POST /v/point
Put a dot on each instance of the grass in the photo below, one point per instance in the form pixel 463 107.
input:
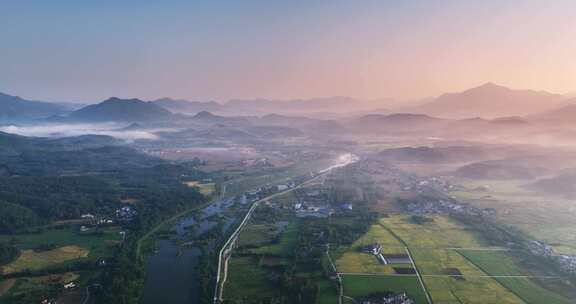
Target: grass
pixel 6 285
pixel 285 247
pixel 205 189
pixel 351 259
pixel 440 233
pixel 31 260
pixel 430 243
pixel 99 244
pixel 433 247
pixel 246 280
pixel 254 235
pixel 469 291
pixel 356 286
pixel 436 261
pixel 327 292
pixel 545 217
pixel 501 264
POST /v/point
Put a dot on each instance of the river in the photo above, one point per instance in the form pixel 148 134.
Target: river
pixel 171 271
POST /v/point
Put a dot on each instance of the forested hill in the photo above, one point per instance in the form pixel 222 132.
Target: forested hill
pixel 45 180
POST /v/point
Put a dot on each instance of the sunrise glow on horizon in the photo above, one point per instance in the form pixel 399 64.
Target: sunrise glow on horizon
pixel 199 50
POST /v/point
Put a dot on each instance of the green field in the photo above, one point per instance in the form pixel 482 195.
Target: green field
pixel 351 259
pixel 470 290
pixel 285 247
pixel 206 189
pixel 545 217
pixel 502 264
pixel 327 293
pixel 64 245
pixel 453 260
pixel 440 233
pixel 32 260
pixel 246 280
pixel 94 241
pixel 357 286
pixel 438 261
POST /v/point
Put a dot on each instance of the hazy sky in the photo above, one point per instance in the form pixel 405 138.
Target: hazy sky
pixel 90 50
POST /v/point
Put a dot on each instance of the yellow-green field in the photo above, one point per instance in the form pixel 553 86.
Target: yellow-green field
pixel 353 260
pixel 471 290
pixel 447 255
pixel 31 260
pixel 440 233
pixel 438 261
pixel 206 189
pixel 357 286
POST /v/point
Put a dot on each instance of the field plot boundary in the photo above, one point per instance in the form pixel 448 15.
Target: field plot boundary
pixel 498 278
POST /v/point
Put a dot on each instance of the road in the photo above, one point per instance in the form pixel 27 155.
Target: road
pixel 338 276
pixel 428 297
pixel 226 250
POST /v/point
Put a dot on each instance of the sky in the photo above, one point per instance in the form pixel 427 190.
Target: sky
pixel 85 51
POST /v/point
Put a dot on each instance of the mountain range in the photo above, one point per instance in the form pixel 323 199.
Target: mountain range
pixel 14 109
pixel 490 101
pixel 480 104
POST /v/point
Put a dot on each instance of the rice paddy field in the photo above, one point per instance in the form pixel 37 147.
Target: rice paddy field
pixel 33 260
pixel 454 261
pixel 357 286
pixel 54 247
pixel 206 189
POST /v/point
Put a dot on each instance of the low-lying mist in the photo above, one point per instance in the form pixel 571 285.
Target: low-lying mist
pixel 68 130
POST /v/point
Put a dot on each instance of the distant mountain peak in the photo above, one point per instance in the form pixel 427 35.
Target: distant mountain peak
pixel 15 108
pixel 125 110
pixel 121 100
pixel 205 115
pixel 490 100
pixel 492 85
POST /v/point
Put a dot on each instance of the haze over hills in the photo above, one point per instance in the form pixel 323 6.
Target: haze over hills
pixel 318 106
pixel 14 108
pixel 188 107
pixel 126 110
pixel 490 101
pixel 562 115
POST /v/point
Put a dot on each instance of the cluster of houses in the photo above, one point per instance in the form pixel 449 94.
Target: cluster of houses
pixel 313 209
pixel 417 184
pixel 387 298
pixel 313 202
pixel 90 221
pixel 125 213
pixel 446 206
pixel 566 262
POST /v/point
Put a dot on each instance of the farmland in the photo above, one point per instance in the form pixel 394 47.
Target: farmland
pixel 356 286
pixel 33 260
pixel 206 189
pixel 501 264
pixel 544 217
pixel 97 243
pixel 455 263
